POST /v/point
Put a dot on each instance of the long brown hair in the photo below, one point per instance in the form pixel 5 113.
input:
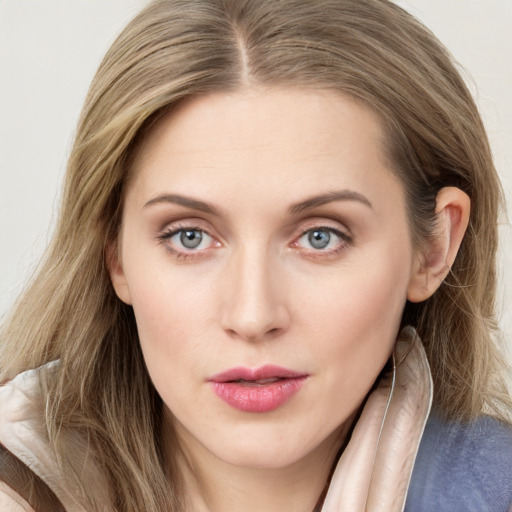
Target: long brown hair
pixel 369 49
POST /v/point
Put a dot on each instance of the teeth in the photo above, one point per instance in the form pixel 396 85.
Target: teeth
pixel 260 381
pixel 267 381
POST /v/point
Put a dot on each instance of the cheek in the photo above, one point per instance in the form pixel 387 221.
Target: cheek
pixel 170 303
pixel 359 313
pixel 366 293
pixel 170 320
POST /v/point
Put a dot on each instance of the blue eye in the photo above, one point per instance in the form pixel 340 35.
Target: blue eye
pixel 321 239
pixel 187 239
pixel 190 239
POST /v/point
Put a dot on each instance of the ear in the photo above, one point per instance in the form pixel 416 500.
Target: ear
pixel 115 269
pixel 432 265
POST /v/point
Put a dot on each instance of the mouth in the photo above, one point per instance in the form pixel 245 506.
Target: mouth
pixel 263 375
pixel 257 390
pixel 259 382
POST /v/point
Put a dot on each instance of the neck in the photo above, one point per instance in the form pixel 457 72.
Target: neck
pixel 212 485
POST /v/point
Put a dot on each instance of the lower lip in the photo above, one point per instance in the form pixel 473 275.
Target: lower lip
pixel 257 398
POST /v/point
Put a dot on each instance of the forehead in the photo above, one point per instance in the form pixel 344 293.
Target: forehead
pixel 293 139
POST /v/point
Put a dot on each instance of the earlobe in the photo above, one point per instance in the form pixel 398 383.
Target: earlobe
pixel 432 266
pixel 116 271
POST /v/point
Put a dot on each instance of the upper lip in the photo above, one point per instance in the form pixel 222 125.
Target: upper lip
pixel 268 371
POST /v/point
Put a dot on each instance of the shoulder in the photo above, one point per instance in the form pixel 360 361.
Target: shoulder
pixel 11 501
pixel 21 396
pixel 463 467
pixel 26 457
pixel 20 407
pixel 22 414
pixel 24 435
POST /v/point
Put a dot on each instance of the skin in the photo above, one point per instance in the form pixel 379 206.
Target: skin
pixel 256 291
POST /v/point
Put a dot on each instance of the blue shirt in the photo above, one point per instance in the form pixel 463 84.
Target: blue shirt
pixel 463 467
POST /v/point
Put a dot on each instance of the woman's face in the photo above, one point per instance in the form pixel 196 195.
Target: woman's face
pixel 266 252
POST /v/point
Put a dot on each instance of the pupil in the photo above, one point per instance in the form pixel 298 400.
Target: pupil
pixel 191 238
pixel 319 239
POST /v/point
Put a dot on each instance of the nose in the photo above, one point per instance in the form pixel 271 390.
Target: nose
pixel 254 305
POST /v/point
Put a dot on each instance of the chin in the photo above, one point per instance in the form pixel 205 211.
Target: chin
pixel 263 456
pixel 275 449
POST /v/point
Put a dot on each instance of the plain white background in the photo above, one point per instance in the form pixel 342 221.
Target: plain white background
pixel 49 51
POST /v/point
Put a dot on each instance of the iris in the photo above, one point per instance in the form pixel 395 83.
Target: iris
pixel 191 238
pixel 319 239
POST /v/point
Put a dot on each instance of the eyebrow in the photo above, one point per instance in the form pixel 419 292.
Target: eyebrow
pixel 195 204
pixel 316 201
pixel 308 204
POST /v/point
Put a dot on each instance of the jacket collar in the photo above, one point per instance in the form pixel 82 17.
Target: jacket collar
pixel 374 470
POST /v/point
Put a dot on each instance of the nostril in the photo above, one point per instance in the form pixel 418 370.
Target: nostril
pixel 271 333
pixel 254 320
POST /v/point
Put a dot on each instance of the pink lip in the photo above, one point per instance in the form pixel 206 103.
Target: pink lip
pixel 238 387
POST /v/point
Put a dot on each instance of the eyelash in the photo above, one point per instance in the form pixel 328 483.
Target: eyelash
pixel 166 235
pixel 342 245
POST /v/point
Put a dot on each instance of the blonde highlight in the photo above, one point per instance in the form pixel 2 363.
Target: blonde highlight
pixel 176 49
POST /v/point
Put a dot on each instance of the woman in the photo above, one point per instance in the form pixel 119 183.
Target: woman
pixel 262 199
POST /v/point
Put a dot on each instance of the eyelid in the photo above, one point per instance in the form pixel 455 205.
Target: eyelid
pixel 329 224
pixel 331 229
pixel 346 238
pixel 171 229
